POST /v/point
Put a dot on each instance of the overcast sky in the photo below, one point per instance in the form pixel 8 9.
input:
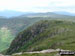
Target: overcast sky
pixel 38 5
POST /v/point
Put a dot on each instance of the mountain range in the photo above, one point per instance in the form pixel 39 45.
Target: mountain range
pixel 65 13
pixel 12 13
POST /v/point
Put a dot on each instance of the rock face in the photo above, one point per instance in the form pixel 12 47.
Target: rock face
pixel 1 55
pixel 43 35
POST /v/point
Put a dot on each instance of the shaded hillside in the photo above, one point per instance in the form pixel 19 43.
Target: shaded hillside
pixel 15 24
pixel 44 35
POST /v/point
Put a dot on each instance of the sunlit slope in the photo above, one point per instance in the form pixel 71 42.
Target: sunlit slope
pixel 5 38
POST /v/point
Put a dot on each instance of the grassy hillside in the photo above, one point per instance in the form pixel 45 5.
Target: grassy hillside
pixel 5 38
pixel 46 34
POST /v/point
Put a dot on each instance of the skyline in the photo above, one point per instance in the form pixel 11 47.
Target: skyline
pixel 38 5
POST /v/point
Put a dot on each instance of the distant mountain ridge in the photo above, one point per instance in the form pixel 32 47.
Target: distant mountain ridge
pixel 64 13
pixel 11 13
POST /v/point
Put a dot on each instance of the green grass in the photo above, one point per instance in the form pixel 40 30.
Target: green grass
pixel 38 54
pixel 42 54
pixel 5 38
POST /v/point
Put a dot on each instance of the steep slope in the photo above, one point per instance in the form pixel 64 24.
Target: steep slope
pixel 44 35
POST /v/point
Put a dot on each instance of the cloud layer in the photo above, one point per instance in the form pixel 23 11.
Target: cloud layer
pixel 38 5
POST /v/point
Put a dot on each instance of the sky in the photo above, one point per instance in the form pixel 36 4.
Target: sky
pixel 38 5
